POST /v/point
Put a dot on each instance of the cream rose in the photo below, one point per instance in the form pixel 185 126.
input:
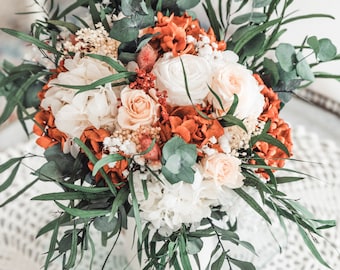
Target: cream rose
pixel 223 169
pixel 169 77
pixel 233 78
pixel 138 109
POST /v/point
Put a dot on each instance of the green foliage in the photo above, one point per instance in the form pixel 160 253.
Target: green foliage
pixel 178 158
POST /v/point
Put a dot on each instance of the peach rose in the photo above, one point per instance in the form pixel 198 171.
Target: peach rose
pixel 223 169
pixel 234 78
pixel 138 109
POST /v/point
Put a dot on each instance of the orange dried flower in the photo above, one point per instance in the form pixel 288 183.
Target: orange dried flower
pixel 93 138
pixel 279 129
pixel 185 122
pixel 171 34
pixel 45 128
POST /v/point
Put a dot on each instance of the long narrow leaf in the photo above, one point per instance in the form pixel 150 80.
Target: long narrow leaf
pixel 251 34
pixel 52 246
pixel 252 203
pixel 70 196
pixel 121 198
pixel 102 81
pixel 9 163
pixel 40 44
pixel 10 178
pixel 85 189
pixel 311 246
pixel 309 16
pixel 108 60
pixel 82 213
pixel 12 198
pixel 93 159
pixel 106 160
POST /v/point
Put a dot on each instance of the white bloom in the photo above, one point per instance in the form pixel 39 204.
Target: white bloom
pixel 74 113
pixel 169 206
pixel 170 77
pixel 233 78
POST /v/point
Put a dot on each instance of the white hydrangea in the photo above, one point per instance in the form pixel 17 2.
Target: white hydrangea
pixel 171 205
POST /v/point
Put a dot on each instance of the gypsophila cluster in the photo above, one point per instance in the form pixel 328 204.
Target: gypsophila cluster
pixel 95 41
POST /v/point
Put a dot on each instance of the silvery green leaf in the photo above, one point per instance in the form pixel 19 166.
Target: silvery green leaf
pixel 327 50
pixel 173 164
pixel 194 245
pixel 261 3
pixel 285 53
pixel 303 69
pixel 103 224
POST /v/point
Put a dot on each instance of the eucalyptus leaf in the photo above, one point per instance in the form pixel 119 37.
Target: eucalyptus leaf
pixel 64 162
pixel 261 3
pixel 327 50
pixel 173 164
pixel 49 172
pixel 285 53
pixel 104 224
pixel 303 69
pixel 313 42
pixel 187 4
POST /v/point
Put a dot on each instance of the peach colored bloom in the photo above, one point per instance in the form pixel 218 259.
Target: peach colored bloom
pixel 138 109
pixel 223 169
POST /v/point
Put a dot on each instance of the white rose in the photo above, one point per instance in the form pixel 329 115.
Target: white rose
pixel 233 78
pixel 169 77
pixel 223 169
pixel 138 109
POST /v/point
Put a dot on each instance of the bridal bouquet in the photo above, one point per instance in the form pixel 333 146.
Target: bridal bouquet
pixel 147 115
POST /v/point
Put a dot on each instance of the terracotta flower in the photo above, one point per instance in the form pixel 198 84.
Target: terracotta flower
pixel 185 122
pixel 279 129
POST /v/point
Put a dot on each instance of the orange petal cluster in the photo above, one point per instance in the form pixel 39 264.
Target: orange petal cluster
pixel 279 129
pixel 93 138
pixel 185 122
pixel 45 128
pixel 171 34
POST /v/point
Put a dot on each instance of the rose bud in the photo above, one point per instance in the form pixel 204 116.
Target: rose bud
pixel 146 58
pixel 155 153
